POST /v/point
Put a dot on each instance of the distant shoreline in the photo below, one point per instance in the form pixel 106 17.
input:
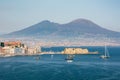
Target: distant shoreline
pixel 47 53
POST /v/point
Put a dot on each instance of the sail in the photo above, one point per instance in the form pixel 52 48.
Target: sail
pixel 106 53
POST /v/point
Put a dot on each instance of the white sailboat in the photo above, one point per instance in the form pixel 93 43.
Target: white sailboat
pixel 106 55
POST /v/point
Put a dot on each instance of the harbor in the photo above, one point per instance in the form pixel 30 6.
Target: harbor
pixel 14 48
pixel 21 67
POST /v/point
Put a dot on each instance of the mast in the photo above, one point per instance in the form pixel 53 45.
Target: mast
pixel 107 53
pixel 105 50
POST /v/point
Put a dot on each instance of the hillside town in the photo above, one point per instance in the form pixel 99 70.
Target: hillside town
pixel 12 48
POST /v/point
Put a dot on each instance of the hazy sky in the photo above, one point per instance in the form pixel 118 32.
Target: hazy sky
pixel 19 14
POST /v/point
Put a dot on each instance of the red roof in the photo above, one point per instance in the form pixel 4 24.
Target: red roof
pixel 12 43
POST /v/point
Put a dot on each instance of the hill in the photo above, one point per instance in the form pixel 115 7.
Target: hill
pixel 76 28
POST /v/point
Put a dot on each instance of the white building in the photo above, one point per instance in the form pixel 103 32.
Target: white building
pixel 17 51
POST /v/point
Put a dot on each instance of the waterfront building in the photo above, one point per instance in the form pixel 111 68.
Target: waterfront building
pixel 17 51
pixel 13 43
pixel 6 49
pixel 32 51
pixel 17 48
pixel 75 51
pixel 1 51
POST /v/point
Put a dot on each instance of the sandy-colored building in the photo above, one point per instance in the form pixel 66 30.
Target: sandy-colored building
pixel 75 51
pixel 32 51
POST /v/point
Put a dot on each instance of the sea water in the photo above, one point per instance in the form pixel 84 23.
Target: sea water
pixel 55 67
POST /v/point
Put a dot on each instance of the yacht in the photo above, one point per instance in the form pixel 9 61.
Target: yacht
pixel 69 58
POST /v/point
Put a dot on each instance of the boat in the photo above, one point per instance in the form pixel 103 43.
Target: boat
pixel 7 55
pixel 106 53
pixel 51 56
pixel 37 57
pixel 69 58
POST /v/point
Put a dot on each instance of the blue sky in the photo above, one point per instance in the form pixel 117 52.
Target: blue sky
pixel 19 14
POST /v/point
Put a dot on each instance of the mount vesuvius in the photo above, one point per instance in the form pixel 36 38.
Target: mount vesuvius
pixel 74 28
